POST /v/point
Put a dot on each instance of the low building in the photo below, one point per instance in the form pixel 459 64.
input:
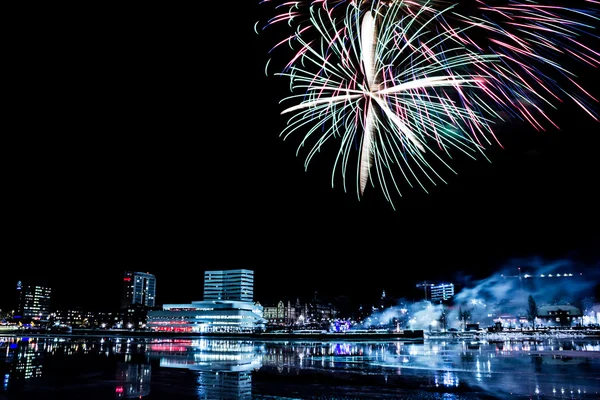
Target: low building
pixel 289 314
pixel 282 314
pixel 208 316
pixel 559 314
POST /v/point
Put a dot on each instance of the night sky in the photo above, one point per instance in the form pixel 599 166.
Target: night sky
pixel 149 141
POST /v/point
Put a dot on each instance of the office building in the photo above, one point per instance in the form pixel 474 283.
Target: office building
pixel 138 288
pixel 235 284
pixel 227 307
pixel 441 292
pixel 33 302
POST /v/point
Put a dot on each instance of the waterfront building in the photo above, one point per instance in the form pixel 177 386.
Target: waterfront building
pixel 559 314
pixel 138 288
pixel 235 284
pixel 77 317
pixel 208 316
pixel 108 319
pixel 33 302
pixel 313 312
pixel 227 307
pixel 285 314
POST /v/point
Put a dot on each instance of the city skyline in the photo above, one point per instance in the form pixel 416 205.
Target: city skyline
pixel 118 163
pixel 537 276
pixel 160 140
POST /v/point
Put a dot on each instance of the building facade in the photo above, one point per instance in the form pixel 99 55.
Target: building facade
pixel 227 307
pixel 285 313
pixel 235 284
pixel 33 302
pixel 559 314
pixel 138 288
pixel 208 317
pixel 296 314
pixel 441 292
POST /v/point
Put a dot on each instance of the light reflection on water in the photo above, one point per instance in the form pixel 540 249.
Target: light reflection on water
pixel 113 367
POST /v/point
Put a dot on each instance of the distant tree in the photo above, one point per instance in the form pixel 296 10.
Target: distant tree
pixel 463 316
pixel 444 319
pixel 532 311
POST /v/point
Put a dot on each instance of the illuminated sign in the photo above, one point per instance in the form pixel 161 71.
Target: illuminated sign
pixel 126 279
pixel 19 285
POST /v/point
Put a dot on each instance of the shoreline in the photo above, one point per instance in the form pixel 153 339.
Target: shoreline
pixel 407 335
pixel 518 335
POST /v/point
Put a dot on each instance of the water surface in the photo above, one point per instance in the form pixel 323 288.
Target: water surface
pixel 54 367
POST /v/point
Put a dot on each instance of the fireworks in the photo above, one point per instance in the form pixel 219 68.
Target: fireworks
pixel 402 85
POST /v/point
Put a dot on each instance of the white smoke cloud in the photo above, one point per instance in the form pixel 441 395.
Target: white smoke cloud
pixel 562 281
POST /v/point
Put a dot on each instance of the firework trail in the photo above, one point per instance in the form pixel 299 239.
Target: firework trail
pixel 404 84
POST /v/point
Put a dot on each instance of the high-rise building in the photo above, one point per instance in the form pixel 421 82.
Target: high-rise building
pixel 33 302
pixel 441 292
pixel 234 284
pixel 138 288
pixel 227 307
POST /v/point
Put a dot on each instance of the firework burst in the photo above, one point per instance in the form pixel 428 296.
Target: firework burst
pixel 402 85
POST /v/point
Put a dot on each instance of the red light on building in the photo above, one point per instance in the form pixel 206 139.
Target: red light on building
pixel 126 279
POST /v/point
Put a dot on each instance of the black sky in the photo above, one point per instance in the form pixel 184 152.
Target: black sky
pixel 149 140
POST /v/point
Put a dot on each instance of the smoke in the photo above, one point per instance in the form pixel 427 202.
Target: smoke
pixel 547 281
pixel 426 315
pixel 562 281
pixel 506 292
pixel 387 316
pixel 414 315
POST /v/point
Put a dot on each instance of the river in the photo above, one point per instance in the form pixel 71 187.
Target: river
pixel 67 367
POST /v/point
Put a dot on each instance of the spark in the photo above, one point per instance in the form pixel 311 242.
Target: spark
pixel 405 85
